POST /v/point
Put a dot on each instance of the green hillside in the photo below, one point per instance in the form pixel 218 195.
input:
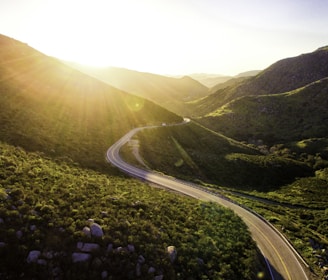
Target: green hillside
pixel 56 125
pixel 285 75
pixel 45 207
pixel 170 93
pixel 193 152
pixel 287 184
pixel 279 118
pixel 47 106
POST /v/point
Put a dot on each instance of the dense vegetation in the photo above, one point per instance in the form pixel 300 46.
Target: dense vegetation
pixel 194 152
pixel 286 183
pixel 69 119
pixel 278 118
pixel 46 204
pixel 47 106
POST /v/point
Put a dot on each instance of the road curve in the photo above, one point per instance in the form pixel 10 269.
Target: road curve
pixel 282 260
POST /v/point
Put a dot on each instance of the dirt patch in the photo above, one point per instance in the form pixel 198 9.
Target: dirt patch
pixel 134 146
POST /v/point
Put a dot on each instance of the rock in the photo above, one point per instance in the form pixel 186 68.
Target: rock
pixel 172 252
pixel 32 227
pixel 1 221
pixel 87 231
pixel 19 234
pixel 109 248
pixel 141 259
pixel 200 261
pixel 42 262
pixel 80 257
pixel 33 256
pixel 2 244
pixel 151 270
pixel 96 230
pixel 159 277
pixel 138 269
pixel 104 274
pixel 79 245
pixel 119 249
pixel 131 248
pixel 104 214
pixel 87 247
pixel 48 255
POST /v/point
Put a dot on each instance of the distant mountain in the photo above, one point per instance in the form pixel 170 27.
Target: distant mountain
pixel 169 92
pixel 248 73
pixel 49 107
pixel 285 75
pixel 231 82
pixel 215 80
pixel 210 80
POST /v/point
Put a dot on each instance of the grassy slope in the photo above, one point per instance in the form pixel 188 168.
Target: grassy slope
pixel 285 75
pixel 191 151
pixel 62 113
pixel 57 199
pixel 295 115
pixel 292 179
pixel 47 106
pixel 170 93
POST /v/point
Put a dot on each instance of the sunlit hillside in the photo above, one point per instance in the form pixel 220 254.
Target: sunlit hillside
pixel 275 118
pixel 284 75
pixel 66 214
pixel 170 93
pixel 46 231
pixel 47 106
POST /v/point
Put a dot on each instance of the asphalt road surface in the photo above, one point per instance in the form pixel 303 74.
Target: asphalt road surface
pixel 282 260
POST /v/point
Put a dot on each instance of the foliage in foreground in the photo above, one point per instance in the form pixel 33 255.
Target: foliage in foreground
pixel 288 186
pixel 300 211
pixel 45 205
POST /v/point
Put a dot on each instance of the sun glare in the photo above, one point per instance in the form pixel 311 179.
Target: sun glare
pixel 114 33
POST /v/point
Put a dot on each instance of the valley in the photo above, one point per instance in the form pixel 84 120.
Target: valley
pixel 260 140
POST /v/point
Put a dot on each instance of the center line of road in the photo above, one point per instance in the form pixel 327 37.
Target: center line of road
pixel 273 247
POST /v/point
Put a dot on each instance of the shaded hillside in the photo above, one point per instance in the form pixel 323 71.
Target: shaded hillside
pixel 285 75
pixel 50 107
pixel 171 93
pixel 191 152
pixel 291 116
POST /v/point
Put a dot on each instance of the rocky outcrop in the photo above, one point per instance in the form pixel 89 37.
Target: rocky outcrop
pixel 80 257
pixel 172 252
pixel 96 230
pixel 33 256
pixel 87 247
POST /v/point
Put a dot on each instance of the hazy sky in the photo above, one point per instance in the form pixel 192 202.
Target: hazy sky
pixel 169 36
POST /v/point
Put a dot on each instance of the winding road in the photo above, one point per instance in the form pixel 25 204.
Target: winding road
pixel 282 260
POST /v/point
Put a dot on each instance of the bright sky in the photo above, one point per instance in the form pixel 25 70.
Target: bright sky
pixel 169 36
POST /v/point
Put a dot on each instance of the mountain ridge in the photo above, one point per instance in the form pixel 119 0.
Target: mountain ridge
pixel 284 75
pixel 171 93
pixel 47 106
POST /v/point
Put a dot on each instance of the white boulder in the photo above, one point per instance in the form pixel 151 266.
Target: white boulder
pixel 172 252
pixel 87 231
pixel 96 230
pixel 33 256
pixel 87 247
pixel 80 257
